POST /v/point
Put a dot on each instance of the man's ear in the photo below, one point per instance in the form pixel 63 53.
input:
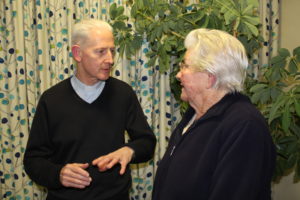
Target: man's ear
pixel 76 52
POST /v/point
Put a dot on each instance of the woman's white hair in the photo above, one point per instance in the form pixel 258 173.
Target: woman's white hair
pixel 82 29
pixel 220 54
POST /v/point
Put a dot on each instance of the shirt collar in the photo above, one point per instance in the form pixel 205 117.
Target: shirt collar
pixel 88 93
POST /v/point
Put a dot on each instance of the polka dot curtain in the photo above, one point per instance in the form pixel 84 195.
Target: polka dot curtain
pixel 269 15
pixel 35 54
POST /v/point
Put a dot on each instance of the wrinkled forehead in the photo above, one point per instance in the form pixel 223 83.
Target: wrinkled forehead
pixel 103 38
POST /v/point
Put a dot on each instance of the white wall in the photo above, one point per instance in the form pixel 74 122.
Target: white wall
pixel 290 39
pixel 290 24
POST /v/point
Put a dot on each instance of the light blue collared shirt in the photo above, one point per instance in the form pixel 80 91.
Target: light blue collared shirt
pixel 86 92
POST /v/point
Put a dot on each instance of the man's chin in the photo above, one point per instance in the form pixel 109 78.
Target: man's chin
pixel 103 78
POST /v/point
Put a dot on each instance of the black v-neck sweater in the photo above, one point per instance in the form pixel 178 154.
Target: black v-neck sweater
pixel 66 129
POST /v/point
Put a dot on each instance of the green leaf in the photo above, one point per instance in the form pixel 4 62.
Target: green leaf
pixel 122 17
pixel 275 92
pixel 122 49
pixel 296 51
pixel 292 160
pixel 151 61
pixel 258 87
pixel 165 28
pixel 297 106
pixel 252 28
pixel 292 147
pixel 133 11
pixel 284 52
pixel 275 108
pixel 248 10
pixel 113 11
pixel 278 61
pixel 254 20
pixel 120 10
pixel 298 58
pixel 295 129
pixel 287 140
pixel 159 31
pixel 286 118
pixel 119 25
pixel 137 42
pixel 256 97
pixel 265 97
pixel 293 68
pixel 229 17
pixel 205 21
pixel 255 3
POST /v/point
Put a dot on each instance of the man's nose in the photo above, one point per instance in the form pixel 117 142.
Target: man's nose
pixel 110 56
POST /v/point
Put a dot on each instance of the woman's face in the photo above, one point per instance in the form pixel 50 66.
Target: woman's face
pixel 194 83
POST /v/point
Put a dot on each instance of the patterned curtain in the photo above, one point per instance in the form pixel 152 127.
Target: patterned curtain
pixel 270 18
pixel 35 55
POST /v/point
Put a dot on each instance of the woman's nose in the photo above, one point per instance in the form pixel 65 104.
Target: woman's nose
pixel 178 75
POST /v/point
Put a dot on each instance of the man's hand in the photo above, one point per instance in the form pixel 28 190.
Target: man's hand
pixel 122 156
pixel 75 175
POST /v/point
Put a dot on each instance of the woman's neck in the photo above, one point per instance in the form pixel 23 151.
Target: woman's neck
pixel 202 103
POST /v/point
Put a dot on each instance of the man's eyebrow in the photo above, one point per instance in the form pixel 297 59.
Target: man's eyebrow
pixel 104 48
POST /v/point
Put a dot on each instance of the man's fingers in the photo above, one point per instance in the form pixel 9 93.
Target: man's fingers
pixel 106 163
pixel 80 170
pixel 75 175
pixel 123 168
pixel 122 156
pixel 71 183
pixel 112 163
pixel 75 182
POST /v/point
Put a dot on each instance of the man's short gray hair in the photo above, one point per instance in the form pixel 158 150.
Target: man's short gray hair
pixel 82 29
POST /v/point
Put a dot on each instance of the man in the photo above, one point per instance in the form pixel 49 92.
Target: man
pixel 76 145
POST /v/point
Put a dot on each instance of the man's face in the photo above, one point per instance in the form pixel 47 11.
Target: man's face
pixel 96 57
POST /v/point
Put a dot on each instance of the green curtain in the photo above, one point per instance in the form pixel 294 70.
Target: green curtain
pixel 35 55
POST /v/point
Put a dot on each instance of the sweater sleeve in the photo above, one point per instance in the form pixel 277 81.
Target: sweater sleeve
pixel 244 164
pixel 37 161
pixel 142 139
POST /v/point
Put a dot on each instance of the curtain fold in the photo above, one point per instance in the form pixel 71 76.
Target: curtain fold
pixel 270 18
pixel 35 54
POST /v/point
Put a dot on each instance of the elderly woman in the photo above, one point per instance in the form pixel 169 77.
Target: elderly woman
pixel 221 149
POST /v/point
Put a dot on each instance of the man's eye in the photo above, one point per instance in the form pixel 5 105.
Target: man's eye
pixel 101 51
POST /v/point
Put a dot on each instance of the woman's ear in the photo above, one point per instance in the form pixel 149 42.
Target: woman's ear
pixel 211 80
pixel 76 53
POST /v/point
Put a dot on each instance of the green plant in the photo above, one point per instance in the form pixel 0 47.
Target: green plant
pixel 277 95
pixel 164 25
